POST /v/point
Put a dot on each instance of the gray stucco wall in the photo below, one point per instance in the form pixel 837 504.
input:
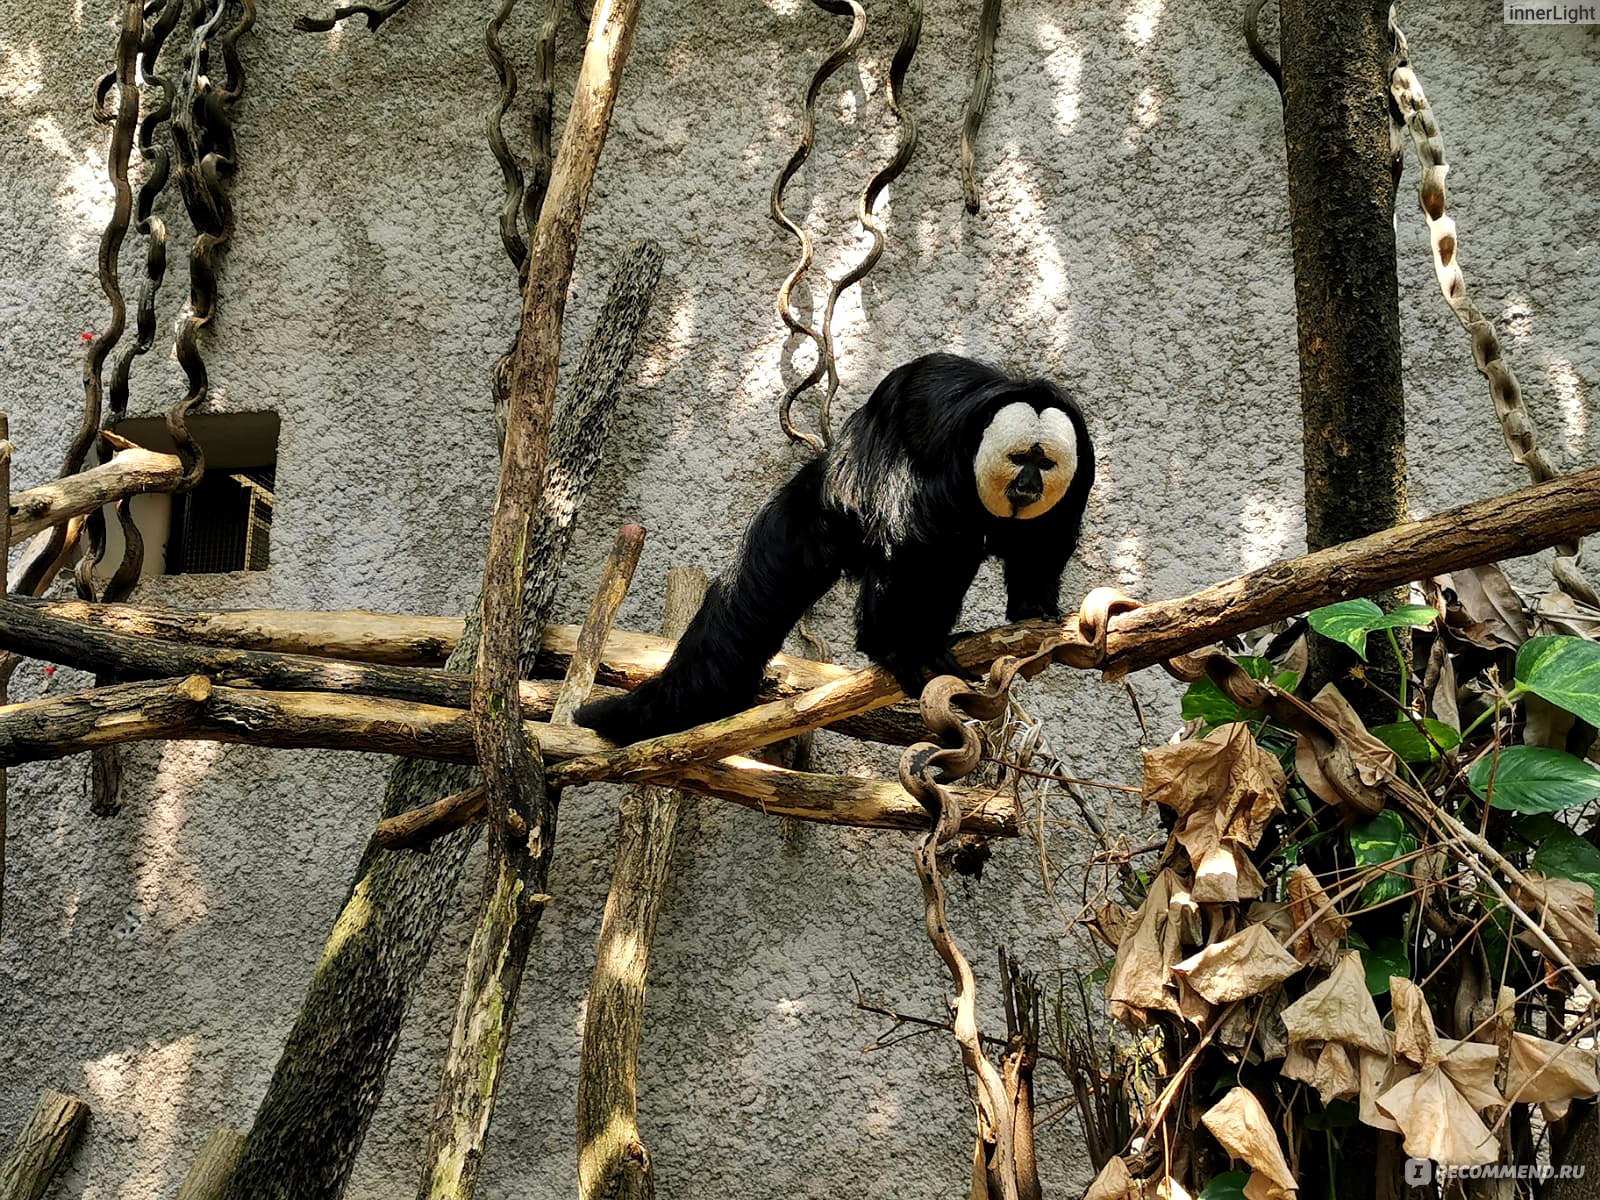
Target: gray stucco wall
pixel 1133 243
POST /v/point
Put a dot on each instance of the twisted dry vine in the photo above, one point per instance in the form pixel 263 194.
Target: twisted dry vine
pixel 823 438
pixel 978 100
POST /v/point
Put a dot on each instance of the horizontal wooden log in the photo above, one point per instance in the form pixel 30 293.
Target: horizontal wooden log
pixel 132 471
pixel 284 651
pixel 195 708
pixel 1482 532
pixel 356 635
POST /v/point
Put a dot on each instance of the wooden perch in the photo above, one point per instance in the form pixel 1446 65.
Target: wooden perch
pixel 612 1159
pixel 43 1145
pixel 1482 532
pixel 194 708
pixel 280 650
pixel 132 471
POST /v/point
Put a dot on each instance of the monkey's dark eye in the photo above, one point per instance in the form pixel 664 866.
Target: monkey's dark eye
pixel 1044 464
pixel 1021 459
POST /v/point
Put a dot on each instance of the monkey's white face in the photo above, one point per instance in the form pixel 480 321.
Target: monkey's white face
pixel 1025 461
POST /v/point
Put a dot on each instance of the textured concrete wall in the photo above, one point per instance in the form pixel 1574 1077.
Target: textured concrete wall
pixel 1133 243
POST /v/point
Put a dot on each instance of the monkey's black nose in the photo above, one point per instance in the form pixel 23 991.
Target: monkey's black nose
pixel 1027 488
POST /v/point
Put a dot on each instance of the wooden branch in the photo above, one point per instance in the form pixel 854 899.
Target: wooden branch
pixel 213 1166
pixel 355 635
pixel 5 675
pixel 331 1073
pixel 535 366
pixel 498 955
pixel 68 632
pixel 132 471
pixel 43 1145
pixel 612 1159
pixel 56 726
pixel 1486 531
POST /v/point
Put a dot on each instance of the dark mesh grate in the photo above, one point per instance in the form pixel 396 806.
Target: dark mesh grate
pixel 224 524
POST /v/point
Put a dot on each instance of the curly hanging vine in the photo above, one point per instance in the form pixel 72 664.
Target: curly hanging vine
pixel 1258 50
pixel 1411 107
pixel 890 171
pixel 376 15
pixel 820 440
pixel 524 187
pixel 124 118
pixel 978 100
pixel 202 136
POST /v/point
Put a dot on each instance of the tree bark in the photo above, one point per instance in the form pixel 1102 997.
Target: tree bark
pixel 43 1145
pixel 503 752
pixel 194 708
pixel 213 1166
pixel 1342 176
pixel 336 1059
pixel 132 471
pixel 5 676
pixel 612 1159
pixel 510 916
pixel 284 649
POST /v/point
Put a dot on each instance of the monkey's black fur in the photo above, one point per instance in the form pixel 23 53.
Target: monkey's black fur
pixel 894 504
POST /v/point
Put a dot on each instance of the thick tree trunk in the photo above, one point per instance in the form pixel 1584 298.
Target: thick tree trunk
pixel 1341 164
pixel 334 1064
pixel 612 1159
pixel 42 1146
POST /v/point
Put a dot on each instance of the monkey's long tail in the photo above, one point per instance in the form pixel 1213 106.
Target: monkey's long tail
pixel 790 557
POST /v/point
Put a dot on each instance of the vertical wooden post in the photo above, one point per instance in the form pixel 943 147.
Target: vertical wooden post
pixel 5 676
pixel 213 1166
pixel 43 1145
pixel 612 1159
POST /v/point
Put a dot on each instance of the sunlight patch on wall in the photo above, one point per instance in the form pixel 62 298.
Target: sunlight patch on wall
pixel 1516 318
pixel 671 346
pixel 21 73
pixel 168 882
pixel 1047 298
pixel 1063 63
pixel 83 195
pixel 1267 528
pixel 1573 399
pixel 1140 22
pixel 136 1096
pixel 1128 560
pixel 1146 112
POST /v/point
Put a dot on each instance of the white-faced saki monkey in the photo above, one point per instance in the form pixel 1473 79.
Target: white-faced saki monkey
pixel 949 462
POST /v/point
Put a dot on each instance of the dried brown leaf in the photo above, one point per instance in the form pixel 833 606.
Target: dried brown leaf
pixel 1566 909
pixel 1242 1127
pixel 1353 770
pixel 1115 1182
pixel 1543 1071
pixel 1321 924
pixel 1339 1009
pixel 1415 1038
pixel 1140 977
pixel 1225 789
pixel 1246 964
pixel 1379 1073
pixel 1471 1067
pixel 1438 1121
pixel 1490 611
pixel 1335 1076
